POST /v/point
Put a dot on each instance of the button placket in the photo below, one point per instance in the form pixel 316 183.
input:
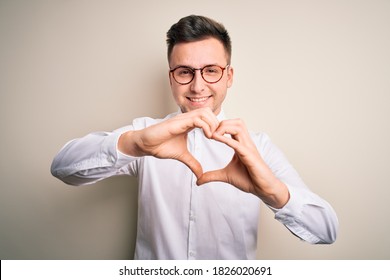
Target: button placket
pixel 195 150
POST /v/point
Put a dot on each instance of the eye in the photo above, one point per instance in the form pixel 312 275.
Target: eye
pixel 182 71
pixel 212 70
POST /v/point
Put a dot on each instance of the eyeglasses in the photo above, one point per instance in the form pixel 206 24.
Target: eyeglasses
pixel 211 74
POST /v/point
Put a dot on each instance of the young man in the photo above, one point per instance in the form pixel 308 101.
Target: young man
pixel 201 176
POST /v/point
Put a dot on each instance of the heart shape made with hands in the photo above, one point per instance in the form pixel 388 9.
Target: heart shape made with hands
pixel 168 140
pixel 246 171
pixel 236 171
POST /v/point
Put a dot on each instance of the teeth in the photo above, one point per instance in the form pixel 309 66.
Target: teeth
pixel 199 99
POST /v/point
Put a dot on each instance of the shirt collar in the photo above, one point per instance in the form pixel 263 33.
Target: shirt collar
pixel 221 116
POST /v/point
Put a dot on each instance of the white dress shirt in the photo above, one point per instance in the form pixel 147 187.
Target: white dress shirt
pixel 178 219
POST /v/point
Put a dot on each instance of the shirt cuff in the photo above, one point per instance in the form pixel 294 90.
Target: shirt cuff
pixel 116 157
pixel 293 208
pixel 123 159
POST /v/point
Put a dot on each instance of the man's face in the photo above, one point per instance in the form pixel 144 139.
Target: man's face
pixel 198 93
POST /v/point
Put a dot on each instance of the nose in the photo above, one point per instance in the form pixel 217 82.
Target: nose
pixel 197 84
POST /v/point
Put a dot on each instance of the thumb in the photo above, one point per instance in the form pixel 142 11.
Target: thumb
pixel 212 176
pixel 189 160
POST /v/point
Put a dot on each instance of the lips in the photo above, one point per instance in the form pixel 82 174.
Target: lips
pixel 198 99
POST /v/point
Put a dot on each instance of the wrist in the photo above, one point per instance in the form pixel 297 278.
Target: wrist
pixel 127 144
pixel 278 196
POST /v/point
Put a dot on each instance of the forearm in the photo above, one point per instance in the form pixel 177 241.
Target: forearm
pixel 277 196
pixel 309 217
pixel 89 159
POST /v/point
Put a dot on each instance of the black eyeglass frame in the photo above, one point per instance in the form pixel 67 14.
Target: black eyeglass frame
pixel 201 73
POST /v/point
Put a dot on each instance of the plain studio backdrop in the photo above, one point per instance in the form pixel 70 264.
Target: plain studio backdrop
pixel 314 75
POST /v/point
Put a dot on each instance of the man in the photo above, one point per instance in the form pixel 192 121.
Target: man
pixel 201 176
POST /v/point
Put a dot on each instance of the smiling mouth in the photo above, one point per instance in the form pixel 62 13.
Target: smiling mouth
pixel 198 99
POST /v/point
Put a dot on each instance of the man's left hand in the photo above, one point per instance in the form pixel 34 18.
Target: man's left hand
pixel 247 170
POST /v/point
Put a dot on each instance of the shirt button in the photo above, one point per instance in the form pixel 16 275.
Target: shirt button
pixel 192 254
pixel 192 218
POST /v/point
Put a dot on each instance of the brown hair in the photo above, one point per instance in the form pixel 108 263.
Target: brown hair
pixel 194 28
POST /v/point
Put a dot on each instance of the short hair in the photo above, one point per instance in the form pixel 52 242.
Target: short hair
pixel 195 28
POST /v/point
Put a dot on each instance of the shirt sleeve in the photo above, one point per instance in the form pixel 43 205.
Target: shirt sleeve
pixel 92 158
pixel 306 214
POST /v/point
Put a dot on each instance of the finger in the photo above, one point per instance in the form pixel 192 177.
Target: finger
pixel 189 160
pixel 204 125
pixel 234 127
pixel 207 130
pixel 207 117
pixel 212 176
pixel 238 131
pixel 211 119
pixel 226 139
pixel 200 121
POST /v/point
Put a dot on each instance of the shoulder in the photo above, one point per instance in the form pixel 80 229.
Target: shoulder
pixel 260 138
pixel 263 142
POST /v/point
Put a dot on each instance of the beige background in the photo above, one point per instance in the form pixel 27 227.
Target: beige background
pixel 314 75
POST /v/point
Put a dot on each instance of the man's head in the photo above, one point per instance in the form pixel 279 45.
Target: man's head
pixel 199 55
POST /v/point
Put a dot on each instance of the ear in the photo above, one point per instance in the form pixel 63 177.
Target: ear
pixel 230 73
pixel 170 77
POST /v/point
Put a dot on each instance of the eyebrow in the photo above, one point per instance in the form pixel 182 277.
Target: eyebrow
pixel 188 66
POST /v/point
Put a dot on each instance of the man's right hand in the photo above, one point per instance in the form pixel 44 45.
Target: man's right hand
pixel 168 139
